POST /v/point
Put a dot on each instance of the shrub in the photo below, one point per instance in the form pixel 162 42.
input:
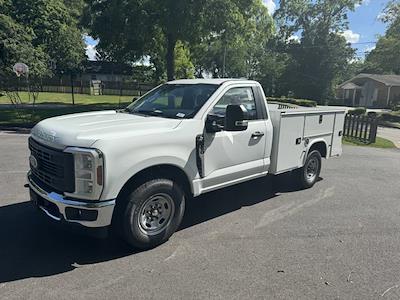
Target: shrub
pixel 396 108
pixel 337 102
pixel 372 114
pixel 300 102
pixel 390 117
pixel 358 111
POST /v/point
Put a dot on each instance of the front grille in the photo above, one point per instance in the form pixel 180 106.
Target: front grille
pixel 55 168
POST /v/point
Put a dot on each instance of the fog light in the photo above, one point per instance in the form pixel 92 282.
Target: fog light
pixel 75 214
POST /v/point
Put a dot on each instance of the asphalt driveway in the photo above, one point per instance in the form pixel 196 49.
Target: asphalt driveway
pixel 262 239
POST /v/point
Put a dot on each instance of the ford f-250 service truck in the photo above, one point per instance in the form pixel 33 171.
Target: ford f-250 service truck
pixel 133 169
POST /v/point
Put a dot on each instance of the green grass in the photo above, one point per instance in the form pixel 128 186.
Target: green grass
pixel 29 117
pixel 64 98
pixel 379 143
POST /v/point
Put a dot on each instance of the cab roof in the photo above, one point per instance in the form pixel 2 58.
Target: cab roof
pixel 215 81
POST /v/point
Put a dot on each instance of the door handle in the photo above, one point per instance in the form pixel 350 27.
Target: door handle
pixel 257 134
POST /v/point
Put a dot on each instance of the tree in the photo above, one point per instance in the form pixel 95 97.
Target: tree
pixel 322 54
pixel 385 57
pixel 183 65
pixel 237 48
pixel 16 45
pixel 129 30
pixel 41 33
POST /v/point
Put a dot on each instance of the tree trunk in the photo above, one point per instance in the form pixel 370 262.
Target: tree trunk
pixel 171 42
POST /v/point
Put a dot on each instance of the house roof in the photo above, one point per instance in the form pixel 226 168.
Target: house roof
pixel 105 67
pixel 389 80
pixel 350 86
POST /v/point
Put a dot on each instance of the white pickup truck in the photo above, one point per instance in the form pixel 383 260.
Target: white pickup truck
pixel 132 169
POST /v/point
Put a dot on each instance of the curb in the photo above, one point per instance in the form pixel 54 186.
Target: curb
pixel 19 128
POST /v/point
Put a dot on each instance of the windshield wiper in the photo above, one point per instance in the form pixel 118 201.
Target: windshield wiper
pixel 148 112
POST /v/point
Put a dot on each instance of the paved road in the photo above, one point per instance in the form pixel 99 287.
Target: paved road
pixel 339 240
pixel 392 134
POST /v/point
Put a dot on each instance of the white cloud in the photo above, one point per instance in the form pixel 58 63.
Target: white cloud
pixel 369 49
pixel 364 2
pixel 294 38
pixel 271 6
pixel 350 36
pixel 380 16
pixel 91 44
pixel 91 52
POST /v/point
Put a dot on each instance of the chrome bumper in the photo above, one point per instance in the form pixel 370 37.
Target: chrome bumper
pixel 104 208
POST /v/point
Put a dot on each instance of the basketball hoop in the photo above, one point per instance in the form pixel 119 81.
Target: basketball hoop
pixel 20 69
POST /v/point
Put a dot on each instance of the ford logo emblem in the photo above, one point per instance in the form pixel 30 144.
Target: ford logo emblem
pixel 33 161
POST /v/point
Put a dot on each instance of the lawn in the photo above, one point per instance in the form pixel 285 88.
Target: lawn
pixel 64 98
pixel 379 143
pixel 29 117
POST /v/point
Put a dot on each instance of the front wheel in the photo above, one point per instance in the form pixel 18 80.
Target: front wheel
pixel 308 175
pixel 152 212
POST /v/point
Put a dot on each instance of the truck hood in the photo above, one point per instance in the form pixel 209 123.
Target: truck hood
pixel 84 129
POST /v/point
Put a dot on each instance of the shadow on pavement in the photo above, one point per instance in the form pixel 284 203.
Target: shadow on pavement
pixel 32 247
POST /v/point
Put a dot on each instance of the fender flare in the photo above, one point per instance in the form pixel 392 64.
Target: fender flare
pixel 312 143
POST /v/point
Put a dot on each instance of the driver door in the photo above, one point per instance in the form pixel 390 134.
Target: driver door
pixel 231 157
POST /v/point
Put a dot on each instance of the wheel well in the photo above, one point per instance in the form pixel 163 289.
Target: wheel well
pixel 160 171
pixel 320 147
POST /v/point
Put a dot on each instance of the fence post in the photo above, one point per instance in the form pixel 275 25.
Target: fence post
pixel 373 131
pixel 352 126
pixel 367 122
pixel 360 134
pixel 348 123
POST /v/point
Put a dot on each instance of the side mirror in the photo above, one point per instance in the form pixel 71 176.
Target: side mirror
pixel 214 124
pixel 235 118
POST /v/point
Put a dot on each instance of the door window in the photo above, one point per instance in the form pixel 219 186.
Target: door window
pixel 237 96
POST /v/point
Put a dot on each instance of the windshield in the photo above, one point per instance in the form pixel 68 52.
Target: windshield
pixel 174 100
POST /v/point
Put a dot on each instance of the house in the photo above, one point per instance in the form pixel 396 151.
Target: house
pixel 106 71
pixel 370 90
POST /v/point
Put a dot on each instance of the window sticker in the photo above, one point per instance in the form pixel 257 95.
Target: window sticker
pixel 180 115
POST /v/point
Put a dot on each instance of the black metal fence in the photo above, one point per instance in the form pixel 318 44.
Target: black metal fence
pixel 63 85
pixel 360 127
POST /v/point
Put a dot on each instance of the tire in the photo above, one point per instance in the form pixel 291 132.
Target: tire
pixel 150 213
pixel 308 175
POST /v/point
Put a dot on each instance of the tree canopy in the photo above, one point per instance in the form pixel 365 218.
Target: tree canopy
pixel 41 34
pixel 385 57
pixel 320 54
pixel 132 29
pixel 300 51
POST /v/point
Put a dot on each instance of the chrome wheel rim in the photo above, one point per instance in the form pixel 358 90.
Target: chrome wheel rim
pixel 156 214
pixel 312 169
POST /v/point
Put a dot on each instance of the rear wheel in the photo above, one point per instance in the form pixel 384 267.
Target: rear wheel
pixel 151 213
pixel 308 175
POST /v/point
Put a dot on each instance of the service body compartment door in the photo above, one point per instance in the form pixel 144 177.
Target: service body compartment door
pixel 288 151
pixel 336 148
pixel 319 124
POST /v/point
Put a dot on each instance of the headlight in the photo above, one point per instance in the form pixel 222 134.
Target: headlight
pixel 88 173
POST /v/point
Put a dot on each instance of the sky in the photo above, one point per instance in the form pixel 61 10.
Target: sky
pixel 364 27
pixel 364 24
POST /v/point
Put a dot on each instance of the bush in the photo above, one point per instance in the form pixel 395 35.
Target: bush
pixel 372 114
pixel 337 102
pixel 390 117
pixel 358 111
pixel 300 102
pixel 396 108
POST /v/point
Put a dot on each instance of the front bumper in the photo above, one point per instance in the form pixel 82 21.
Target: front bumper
pixel 87 213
